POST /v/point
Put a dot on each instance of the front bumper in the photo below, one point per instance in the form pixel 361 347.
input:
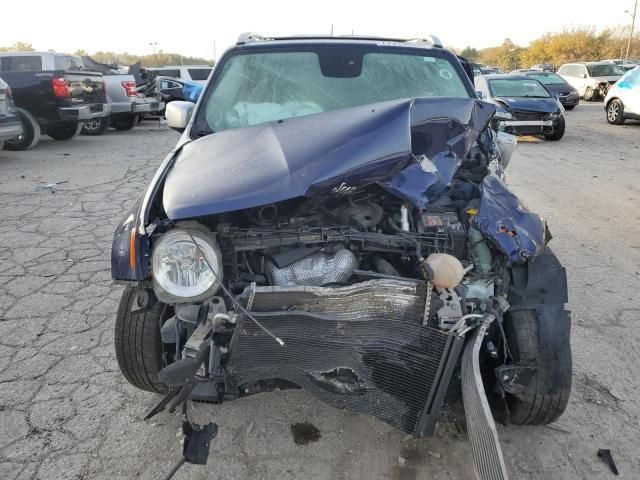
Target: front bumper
pixel 570 100
pixel 84 112
pixel 526 123
pixel 9 129
pixel 364 348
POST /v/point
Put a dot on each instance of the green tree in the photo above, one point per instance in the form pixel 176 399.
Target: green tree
pixel 470 53
pixel 18 47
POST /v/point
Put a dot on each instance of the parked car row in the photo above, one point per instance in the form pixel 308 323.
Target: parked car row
pixel 60 95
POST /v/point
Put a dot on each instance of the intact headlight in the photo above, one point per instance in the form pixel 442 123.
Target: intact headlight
pixel 180 272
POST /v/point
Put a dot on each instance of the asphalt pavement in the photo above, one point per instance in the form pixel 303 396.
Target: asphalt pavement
pixel 66 412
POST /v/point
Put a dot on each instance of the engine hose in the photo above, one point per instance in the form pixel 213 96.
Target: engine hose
pixel 384 267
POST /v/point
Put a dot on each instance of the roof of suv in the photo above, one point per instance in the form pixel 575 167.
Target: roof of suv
pixel 587 63
pixel 254 38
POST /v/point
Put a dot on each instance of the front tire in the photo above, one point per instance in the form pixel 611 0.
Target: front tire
pixel 138 343
pixel 615 112
pixel 64 131
pixel 540 340
pixel 97 126
pixel 590 95
pixel 568 108
pixel 558 131
pixel 126 122
pixel 30 133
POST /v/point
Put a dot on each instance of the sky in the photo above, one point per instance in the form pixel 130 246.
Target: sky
pixel 206 28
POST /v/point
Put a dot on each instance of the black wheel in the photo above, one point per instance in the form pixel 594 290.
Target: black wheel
pixel 97 126
pixel 615 112
pixel 540 340
pixel 64 131
pixel 30 133
pixel 138 343
pixel 126 122
pixel 569 107
pixel 558 130
pixel 590 94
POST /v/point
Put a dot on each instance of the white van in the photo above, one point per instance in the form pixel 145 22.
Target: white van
pixel 191 73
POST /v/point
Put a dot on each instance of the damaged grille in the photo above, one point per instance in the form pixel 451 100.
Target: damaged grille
pixel 526 115
pixel 362 348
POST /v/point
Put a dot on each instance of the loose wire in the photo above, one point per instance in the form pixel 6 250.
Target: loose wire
pixel 231 297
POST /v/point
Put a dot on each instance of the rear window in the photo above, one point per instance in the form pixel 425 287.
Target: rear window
pixel 199 73
pixel 67 62
pixel 20 63
pixel 166 73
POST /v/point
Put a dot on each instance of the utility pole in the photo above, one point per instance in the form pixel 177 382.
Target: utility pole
pixel 633 24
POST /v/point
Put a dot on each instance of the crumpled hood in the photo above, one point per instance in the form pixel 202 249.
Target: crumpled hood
pixel 330 153
pixel 542 105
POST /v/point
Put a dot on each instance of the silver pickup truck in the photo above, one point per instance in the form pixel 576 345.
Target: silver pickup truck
pixel 126 102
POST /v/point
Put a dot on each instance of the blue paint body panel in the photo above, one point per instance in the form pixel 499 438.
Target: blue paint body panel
pixel 327 153
pixel 517 232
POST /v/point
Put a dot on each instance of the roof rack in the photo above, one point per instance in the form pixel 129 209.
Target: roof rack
pixel 250 37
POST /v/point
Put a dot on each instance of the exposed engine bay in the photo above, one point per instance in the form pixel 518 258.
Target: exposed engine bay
pixel 358 297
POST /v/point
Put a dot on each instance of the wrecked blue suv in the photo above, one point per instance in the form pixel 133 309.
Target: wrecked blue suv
pixel 334 218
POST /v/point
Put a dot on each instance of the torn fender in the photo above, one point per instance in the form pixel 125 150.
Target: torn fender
pixel 502 218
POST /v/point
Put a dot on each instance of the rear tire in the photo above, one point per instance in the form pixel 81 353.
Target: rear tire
pixel 558 131
pixel 30 133
pixel 615 112
pixel 64 131
pixel 125 122
pixel 97 126
pixel 546 395
pixel 138 343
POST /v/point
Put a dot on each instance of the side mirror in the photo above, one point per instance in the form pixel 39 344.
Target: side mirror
pixel 556 95
pixel 178 114
pixel 479 94
pixel 583 75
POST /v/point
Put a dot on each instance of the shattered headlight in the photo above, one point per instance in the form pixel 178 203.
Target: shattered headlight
pixel 182 270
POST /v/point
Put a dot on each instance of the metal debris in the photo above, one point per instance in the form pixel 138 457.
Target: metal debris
pixel 605 455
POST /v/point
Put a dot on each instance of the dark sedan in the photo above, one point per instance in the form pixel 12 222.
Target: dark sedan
pixel 525 106
pixel 568 95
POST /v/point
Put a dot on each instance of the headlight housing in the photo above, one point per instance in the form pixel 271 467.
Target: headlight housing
pixel 180 272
